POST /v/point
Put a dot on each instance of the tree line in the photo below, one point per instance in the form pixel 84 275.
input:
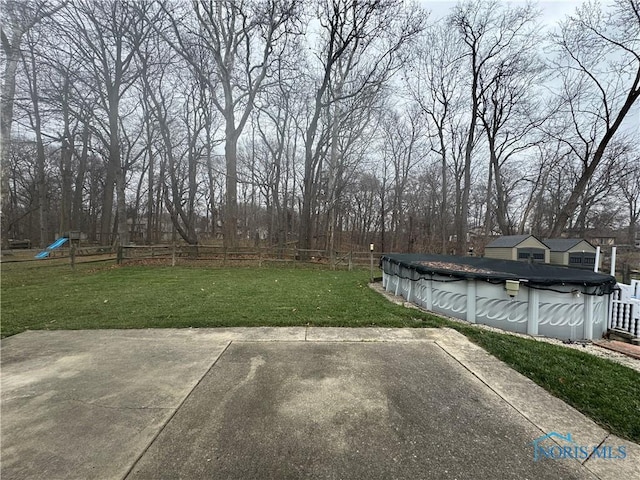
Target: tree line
pixel 325 123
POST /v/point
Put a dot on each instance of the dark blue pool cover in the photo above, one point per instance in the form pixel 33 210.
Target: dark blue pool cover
pixel 494 270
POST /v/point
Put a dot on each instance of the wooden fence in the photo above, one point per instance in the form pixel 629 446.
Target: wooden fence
pixel 197 255
pixel 248 256
pixel 67 254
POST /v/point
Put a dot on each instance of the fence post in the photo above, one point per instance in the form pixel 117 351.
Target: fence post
pixel 72 256
pixel 626 273
pixel 371 260
pixel 119 255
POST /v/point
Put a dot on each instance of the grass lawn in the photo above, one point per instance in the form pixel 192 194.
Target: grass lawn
pixel 55 297
pixel 34 296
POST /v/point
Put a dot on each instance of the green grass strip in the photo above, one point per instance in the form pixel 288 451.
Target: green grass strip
pixel 605 391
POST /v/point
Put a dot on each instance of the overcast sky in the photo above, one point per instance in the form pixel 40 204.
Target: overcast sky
pixel 552 10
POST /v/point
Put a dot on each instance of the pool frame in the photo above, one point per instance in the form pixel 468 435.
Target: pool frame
pixel 566 312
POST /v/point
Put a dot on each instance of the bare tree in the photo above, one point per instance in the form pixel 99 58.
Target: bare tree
pixel 275 123
pixel 34 113
pixel 599 65
pixel 20 16
pixel 354 126
pixel 489 31
pixel 629 184
pixel 545 154
pixel 362 37
pixel 70 104
pixel 55 106
pixel 602 186
pixel 107 36
pixel 23 195
pixel 434 77
pixel 179 108
pixel 242 39
pixel 510 113
pixel 404 138
pixel 362 196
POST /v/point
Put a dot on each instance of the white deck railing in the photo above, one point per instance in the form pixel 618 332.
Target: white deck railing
pixel 624 308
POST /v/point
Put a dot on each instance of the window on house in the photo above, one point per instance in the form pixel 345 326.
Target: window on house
pixel 536 254
pixel 582 259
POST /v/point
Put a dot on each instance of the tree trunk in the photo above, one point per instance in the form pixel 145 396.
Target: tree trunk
pixel 461 221
pixel 123 230
pixel 487 214
pixel 443 209
pixel 76 217
pixel 191 202
pixel 333 181
pixel 150 180
pixel 501 205
pixel 42 187
pixel 113 164
pixel 41 179
pixel 12 56
pixel 231 208
pixel 308 186
pixel 67 180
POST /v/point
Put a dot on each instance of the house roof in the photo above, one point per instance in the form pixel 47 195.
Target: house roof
pixel 509 241
pixel 563 244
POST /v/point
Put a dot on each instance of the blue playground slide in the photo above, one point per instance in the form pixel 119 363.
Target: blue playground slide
pixel 57 244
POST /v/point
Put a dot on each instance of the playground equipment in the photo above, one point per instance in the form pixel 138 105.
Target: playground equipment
pixel 57 244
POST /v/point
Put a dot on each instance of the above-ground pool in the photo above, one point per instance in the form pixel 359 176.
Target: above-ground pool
pixel 521 297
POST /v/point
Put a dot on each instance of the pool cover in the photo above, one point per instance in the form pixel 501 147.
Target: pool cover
pixel 495 271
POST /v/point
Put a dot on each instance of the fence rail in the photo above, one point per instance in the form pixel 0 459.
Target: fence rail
pixel 624 308
pixel 82 254
pixel 176 254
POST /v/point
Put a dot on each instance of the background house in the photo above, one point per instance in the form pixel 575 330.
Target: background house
pixel 518 247
pixel 574 252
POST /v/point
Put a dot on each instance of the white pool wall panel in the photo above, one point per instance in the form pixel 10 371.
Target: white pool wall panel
pixel 568 313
